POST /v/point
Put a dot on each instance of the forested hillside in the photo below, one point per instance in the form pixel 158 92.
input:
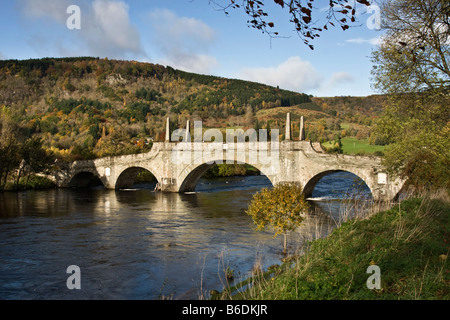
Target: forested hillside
pixel 86 107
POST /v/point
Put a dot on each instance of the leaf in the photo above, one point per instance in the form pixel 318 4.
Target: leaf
pixel 365 2
pixel 306 11
pixel 280 2
pixel 306 19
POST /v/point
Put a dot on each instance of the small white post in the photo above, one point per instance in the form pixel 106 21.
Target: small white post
pixel 288 127
pixel 168 130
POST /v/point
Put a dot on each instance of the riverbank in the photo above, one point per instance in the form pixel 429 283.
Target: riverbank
pixel 35 182
pixel 409 243
pixel 229 170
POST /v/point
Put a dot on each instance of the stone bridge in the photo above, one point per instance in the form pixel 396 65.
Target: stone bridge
pixel 178 166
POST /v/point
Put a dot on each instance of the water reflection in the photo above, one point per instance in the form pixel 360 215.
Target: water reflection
pixel 135 244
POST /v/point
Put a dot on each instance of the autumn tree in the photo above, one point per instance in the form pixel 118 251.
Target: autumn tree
pixel 19 154
pixel 117 142
pixel 9 147
pixel 280 208
pixel 36 159
pixel 415 51
pixel 412 66
pixel 303 15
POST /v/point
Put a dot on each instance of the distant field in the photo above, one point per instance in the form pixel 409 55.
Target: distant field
pixel 351 145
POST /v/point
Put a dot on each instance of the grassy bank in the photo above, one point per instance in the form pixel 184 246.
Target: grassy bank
pixel 352 145
pixel 35 182
pixel 409 243
pixel 228 170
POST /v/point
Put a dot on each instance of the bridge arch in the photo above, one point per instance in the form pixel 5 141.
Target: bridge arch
pixel 86 178
pixel 314 180
pixel 193 173
pixel 128 177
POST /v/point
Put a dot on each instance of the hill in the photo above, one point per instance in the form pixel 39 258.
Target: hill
pixel 88 107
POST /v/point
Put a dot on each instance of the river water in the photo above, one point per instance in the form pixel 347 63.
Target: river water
pixel 140 244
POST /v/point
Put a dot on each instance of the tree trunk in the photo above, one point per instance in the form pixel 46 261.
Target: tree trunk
pixel 5 179
pixel 19 174
pixel 28 178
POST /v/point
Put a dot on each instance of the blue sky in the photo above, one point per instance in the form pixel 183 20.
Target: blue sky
pixel 191 35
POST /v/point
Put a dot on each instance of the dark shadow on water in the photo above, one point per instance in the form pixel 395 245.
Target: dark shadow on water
pixel 232 183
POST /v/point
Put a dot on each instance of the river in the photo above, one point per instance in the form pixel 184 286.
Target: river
pixel 140 244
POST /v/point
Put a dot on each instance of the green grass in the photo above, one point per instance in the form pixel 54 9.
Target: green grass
pixel 34 183
pixel 351 145
pixel 409 243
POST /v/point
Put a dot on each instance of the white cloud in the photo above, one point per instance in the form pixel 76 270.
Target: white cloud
pixel 54 9
pixel 372 41
pixel 188 31
pixel 293 74
pixel 339 78
pixel 190 62
pixel 110 31
pixel 299 75
pixel 106 29
pixel 339 83
pixel 184 42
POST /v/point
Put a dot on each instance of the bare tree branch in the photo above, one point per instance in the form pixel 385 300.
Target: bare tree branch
pixel 301 15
